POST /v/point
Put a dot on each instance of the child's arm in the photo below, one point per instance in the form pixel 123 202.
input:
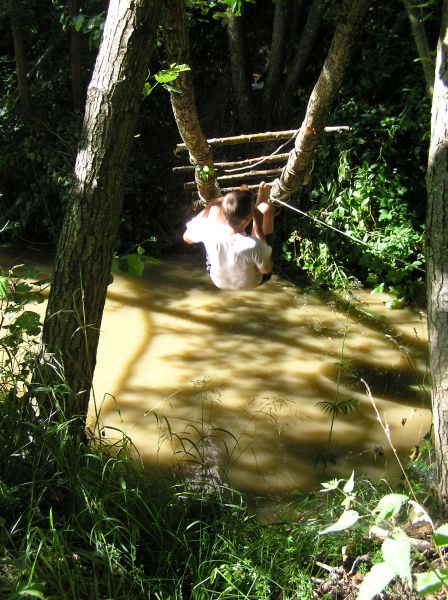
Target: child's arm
pixel 257 226
pixel 213 207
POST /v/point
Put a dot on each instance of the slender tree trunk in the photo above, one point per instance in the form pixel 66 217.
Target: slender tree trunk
pixel 177 46
pixel 84 256
pixel 437 258
pixel 298 64
pixel 20 56
pixel 421 41
pixel 241 76
pixel 276 61
pixel 301 157
pixel 76 60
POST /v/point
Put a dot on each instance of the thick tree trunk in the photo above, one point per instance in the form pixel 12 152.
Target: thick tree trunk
pixel 76 60
pixel 301 157
pixel 298 64
pixel 177 46
pixel 276 61
pixel 421 41
pixel 84 256
pixel 437 258
pixel 20 56
pixel 241 76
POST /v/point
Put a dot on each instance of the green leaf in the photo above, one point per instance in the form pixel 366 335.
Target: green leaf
pixel 23 287
pixel 130 264
pixel 397 554
pixel 330 485
pixel 431 581
pixel 78 22
pixel 441 535
pixel 375 581
pixel 389 506
pixel 29 321
pixel 147 88
pixel 5 289
pixel 32 592
pixel 346 520
pixel 165 76
pixel 172 88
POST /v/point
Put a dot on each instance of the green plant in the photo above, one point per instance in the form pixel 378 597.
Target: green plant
pixel 164 78
pixel 396 550
pixel 379 245
pixel 337 407
pixel 133 262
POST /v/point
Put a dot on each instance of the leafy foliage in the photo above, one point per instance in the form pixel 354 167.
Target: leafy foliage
pixel 396 548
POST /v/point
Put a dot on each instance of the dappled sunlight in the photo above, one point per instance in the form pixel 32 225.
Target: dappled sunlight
pixel 194 374
pixel 265 359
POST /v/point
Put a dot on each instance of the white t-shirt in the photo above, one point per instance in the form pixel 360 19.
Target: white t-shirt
pixel 234 258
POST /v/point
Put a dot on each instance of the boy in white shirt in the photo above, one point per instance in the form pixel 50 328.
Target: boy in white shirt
pixel 236 260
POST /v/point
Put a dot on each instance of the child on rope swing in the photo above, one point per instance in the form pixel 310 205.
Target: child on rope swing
pixel 236 260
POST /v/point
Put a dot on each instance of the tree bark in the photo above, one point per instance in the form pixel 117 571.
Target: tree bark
pixel 300 159
pixel 295 70
pixel 436 258
pixel 276 61
pixel 20 56
pixel 76 59
pixel 241 76
pixel 421 41
pixel 177 45
pixel 84 255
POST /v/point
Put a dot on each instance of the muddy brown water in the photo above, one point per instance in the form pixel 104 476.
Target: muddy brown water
pixel 193 374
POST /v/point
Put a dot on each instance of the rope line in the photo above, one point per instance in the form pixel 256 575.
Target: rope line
pixel 260 162
pixel 351 237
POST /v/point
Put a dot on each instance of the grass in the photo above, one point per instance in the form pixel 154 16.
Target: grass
pixel 89 521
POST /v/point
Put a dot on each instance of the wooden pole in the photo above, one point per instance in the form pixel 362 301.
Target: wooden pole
pixel 268 136
pixel 224 191
pixel 191 185
pixel 237 163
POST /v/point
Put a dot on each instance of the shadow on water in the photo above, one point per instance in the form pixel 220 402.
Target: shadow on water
pixel 265 358
pixel 232 379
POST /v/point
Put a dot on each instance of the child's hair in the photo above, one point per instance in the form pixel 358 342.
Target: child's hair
pixel 236 206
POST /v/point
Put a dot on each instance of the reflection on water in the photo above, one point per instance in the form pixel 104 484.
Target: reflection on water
pixel 191 371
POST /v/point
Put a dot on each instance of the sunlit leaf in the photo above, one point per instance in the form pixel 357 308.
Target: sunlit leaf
pixel 375 581
pixel 397 554
pixel 5 289
pixel 441 535
pixel 389 506
pixel 345 521
pixel 165 76
pixel 330 485
pixel 348 487
pixel 431 581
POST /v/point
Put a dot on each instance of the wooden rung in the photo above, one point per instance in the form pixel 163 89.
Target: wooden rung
pixel 253 188
pixel 237 163
pixel 190 185
pixel 269 136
